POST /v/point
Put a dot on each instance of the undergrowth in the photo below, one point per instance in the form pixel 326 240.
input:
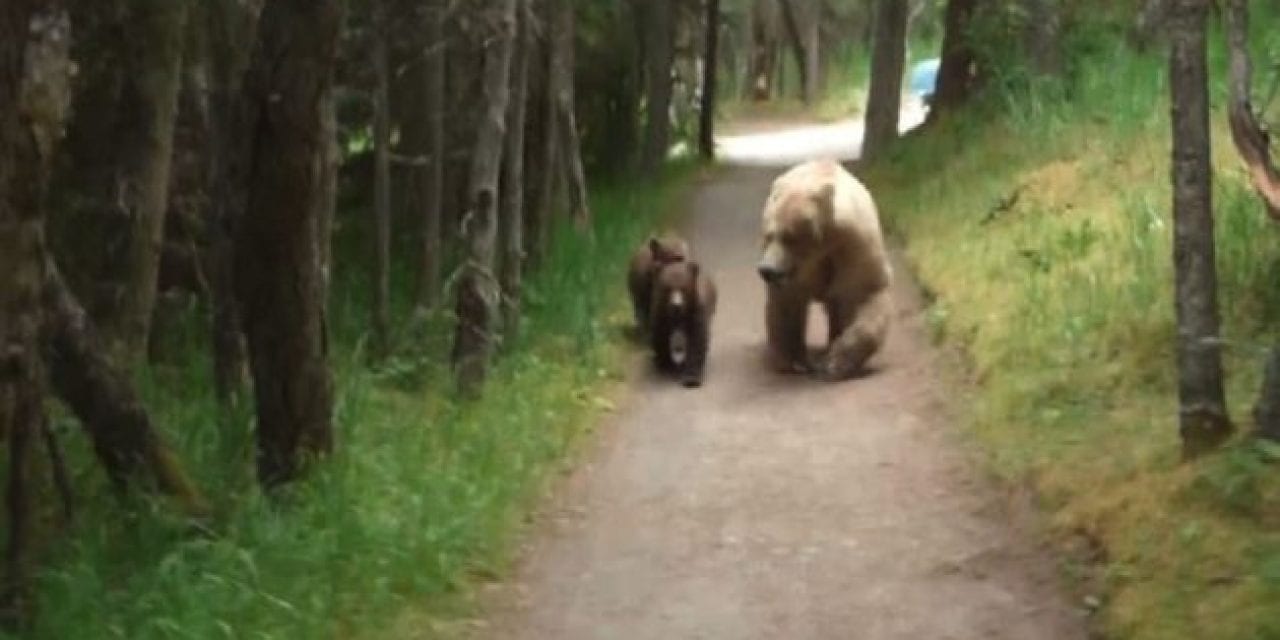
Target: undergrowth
pixel 1040 220
pixel 421 498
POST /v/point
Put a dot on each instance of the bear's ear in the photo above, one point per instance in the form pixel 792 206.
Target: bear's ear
pixel 825 198
pixel 655 246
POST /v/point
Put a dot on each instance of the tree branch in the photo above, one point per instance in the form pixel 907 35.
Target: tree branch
pixel 1251 139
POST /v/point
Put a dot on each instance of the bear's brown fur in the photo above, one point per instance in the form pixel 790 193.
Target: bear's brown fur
pixel 684 301
pixel 655 253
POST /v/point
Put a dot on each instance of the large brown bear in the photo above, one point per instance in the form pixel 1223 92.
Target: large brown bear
pixel 655 253
pixel 822 242
pixel 684 300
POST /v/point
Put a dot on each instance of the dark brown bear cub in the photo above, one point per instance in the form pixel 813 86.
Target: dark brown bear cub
pixel 684 300
pixel 645 263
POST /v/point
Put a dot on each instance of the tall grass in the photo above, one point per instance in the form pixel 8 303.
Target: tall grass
pixel 422 495
pixel 1040 219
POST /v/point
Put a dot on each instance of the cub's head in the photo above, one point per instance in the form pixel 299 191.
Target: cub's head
pixel 794 224
pixel 677 284
pixel 667 249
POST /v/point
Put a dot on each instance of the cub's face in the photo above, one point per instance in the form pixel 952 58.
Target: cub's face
pixel 791 234
pixel 677 286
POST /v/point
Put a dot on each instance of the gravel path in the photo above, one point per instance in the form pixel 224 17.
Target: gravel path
pixel 771 507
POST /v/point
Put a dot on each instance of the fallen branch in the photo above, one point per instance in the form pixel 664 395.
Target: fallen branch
pixel 105 401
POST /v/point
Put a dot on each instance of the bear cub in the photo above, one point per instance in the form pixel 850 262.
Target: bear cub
pixel 683 302
pixel 654 254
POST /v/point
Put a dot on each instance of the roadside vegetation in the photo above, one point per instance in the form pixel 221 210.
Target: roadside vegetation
pixel 421 496
pixel 1038 220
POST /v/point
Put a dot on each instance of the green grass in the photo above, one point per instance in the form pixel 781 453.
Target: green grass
pixel 421 499
pixel 1039 219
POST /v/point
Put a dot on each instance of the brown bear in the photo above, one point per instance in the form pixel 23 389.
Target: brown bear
pixel 684 300
pixel 822 242
pixel 645 263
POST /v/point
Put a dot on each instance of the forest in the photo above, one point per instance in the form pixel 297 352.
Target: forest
pixel 312 310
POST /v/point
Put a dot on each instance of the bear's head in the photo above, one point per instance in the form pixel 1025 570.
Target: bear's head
pixel 667 249
pixel 795 224
pixel 677 284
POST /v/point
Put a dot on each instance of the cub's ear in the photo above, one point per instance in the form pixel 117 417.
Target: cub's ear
pixel 655 246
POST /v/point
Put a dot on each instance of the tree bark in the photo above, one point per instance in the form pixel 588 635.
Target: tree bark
pixel 569 148
pixel 1203 420
pixel 136 187
pixel 278 275
pixel 513 176
pixel 381 315
pixel 35 78
pixel 328 161
pixel 1252 140
pixel 429 176
pixel 1266 412
pixel 659 52
pixel 547 168
pixel 955 71
pixel 888 59
pixel 233 27
pixel 802 22
pixel 477 287
pixel 710 68
pixel 762 47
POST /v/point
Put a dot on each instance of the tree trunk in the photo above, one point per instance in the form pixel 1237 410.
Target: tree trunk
pixel 278 275
pixel 477 288
pixel 955 71
pixel 381 319
pixel 103 398
pixel 328 159
pixel 1251 138
pixel 513 176
pixel 136 189
pixel 546 168
pixel 233 27
pixel 659 52
pixel 1203 420
pixel 763 49
pixel 801 19
pixel 35 94
pixel 888 59
pixel 1266 412
pixel 710 67
pixel 429 176
pixel 569 148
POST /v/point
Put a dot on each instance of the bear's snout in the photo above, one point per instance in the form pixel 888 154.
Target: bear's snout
pixel 771 274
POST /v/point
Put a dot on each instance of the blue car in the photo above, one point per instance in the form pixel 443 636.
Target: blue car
pixel 924 76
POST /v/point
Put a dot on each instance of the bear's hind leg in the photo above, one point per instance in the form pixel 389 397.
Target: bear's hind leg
pixel 697 340
pixel 860 339
pixel 786 317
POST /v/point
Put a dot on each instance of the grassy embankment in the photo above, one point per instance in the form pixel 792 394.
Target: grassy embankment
pixel 423 495
pixel 1040 222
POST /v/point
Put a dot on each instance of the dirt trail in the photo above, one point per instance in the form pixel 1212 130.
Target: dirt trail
pixel 772 507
